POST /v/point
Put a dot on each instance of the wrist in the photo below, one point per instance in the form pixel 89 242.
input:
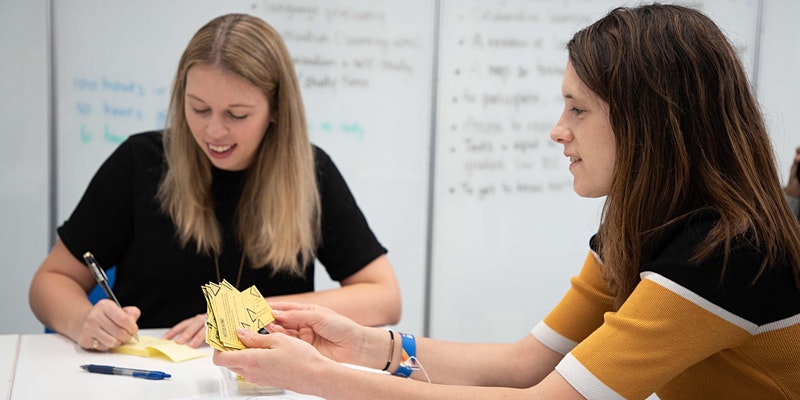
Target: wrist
pixel 375 349
pixel 390 353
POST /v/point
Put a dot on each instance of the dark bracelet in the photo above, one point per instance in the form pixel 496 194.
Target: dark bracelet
pixel 391 351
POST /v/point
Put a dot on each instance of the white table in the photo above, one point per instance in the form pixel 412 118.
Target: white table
pixel 48 367
pixel 8 362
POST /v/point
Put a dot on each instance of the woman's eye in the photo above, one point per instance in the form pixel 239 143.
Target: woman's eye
pixel 239 117
pixel 199 111
pixel 577 110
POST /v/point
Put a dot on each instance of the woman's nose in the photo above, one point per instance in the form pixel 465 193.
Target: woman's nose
pixel 215 126
pixel 559 133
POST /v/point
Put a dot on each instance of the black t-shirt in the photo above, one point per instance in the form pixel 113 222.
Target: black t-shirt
pixel 119 220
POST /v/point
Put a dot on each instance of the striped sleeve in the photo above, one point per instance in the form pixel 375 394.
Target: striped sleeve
pixel 660 331
pixel 579 312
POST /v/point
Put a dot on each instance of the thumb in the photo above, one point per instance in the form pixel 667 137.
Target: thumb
pixel 255 340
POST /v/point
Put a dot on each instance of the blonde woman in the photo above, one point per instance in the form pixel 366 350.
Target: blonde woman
pixel 231 189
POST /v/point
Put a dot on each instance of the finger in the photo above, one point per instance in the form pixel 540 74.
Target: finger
pixel 177 329
pixel 296 317
pixel 189 329
pixel 232 360
pixel 100 324
pixel 288 305
pixel 198 339
pixel 227 359
pixel 133 313
pixel 118 324
pixel 195 333
pixel 92 344
pixel 272 327
pixel 102 340
pixel 255 340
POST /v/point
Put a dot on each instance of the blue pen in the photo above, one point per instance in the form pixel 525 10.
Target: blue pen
pixel 136 373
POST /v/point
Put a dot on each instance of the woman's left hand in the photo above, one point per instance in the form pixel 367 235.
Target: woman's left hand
pixel 191 331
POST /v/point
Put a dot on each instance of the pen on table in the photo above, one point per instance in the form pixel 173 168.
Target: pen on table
pixel 102 280
pixel 136 373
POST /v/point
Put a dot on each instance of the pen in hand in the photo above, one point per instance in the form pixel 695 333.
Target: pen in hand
pixel 102 280
pixel 136 373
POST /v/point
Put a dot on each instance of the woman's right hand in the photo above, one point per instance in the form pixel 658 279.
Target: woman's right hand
pixel 332 334
pixel 107 326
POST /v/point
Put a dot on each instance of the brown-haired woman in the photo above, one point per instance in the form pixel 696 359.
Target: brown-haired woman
pixel 691 286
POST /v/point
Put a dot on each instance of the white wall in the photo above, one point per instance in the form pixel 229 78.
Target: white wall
pixel 779 78
pixel 24 194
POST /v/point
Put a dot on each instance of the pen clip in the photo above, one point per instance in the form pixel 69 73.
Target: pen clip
pixel 91 262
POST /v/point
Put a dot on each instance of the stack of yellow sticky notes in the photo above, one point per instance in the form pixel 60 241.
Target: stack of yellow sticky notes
pixel 148 346
pixel 229 309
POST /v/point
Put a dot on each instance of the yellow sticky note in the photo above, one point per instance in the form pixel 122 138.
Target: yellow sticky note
pixel 153 347
pixel 229 309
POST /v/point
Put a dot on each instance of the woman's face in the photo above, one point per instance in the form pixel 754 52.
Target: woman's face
pixel 585 132
pixel 228 116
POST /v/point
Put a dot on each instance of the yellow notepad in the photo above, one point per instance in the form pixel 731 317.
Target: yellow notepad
pixel 149 346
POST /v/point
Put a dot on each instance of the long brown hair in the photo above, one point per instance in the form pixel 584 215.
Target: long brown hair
pixel 278 216
pixel 689 135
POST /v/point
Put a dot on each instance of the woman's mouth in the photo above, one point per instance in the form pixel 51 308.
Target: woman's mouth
pixel 219 150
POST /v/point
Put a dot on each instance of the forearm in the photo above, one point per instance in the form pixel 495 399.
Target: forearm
pixel 306 370
pixel 348 384
pixel 522 370
pixel 521 364
pixel 370 304
pixel 59 303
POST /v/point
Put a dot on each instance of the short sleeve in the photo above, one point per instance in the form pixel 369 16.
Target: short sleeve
pixel 348 243
pixel 579 312
pixel 659 332
pixel 102 222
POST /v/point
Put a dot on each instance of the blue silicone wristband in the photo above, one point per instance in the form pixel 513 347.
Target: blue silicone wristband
pixel 409 344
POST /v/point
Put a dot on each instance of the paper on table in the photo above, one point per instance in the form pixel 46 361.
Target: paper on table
pixel 149 346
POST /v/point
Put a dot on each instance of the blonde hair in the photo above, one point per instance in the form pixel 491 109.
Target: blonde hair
pixel 278 215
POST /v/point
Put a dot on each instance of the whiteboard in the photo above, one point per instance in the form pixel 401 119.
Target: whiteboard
pixel 508 230
pixel 428 107
pixel 365 70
